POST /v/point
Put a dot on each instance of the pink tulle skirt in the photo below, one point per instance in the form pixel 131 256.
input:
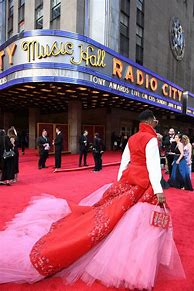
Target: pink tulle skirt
pixel 130 256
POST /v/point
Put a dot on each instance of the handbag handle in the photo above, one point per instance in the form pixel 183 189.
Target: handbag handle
pixel 166 209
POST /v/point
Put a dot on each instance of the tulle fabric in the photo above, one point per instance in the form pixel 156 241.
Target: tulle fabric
pixel 130 256
pixel 17 240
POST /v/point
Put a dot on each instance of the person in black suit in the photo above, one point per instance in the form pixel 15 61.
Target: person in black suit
pixel 44 146
pixel 170 144
pixel 83 143
pixel 98 149
pixel 58 142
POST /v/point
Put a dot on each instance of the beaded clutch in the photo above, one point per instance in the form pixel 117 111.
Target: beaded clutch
pixel 160 218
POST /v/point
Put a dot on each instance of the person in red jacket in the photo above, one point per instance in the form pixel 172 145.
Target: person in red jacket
pixel 107 237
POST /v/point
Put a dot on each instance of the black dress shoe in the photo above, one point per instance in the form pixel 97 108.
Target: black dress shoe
pixel 86 165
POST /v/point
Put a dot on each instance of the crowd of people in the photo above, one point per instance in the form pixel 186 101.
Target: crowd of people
pixel 97 148
pixel 176 156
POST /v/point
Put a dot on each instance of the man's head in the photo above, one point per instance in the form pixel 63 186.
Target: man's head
pixel 57 130
pixel 171 132
pixel 147 116
pixel 85 133
pixel 96 134
pixel 44 132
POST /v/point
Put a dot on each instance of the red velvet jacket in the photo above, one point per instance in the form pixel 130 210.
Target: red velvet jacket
pixel 137 173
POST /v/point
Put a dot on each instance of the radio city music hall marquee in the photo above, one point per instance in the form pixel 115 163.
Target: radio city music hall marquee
pixel 55 54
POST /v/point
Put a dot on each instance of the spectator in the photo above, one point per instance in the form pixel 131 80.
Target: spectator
pixel 187 151
pixel 98 149
pixel 170 144
pixel 124 141
pixel 6 165
pixel 44 146
pixel 83 143
pixel 180 177
pixel 23 141
pixel 12 133
pixel 58 142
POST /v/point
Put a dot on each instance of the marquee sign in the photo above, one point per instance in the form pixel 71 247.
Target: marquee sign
pixel 59 56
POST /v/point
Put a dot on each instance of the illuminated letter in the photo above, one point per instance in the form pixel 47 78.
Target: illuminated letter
pixel 117 68
pixel 180 95
pixel 1 59
pixel 153 84
pixel 164 89
pixel 10 52
pixel 140 77
pixel 147 81
pixel 174 91
pixel 129 74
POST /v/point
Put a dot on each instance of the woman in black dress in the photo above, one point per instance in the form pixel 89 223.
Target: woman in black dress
pixel 6 165
pixel 12 134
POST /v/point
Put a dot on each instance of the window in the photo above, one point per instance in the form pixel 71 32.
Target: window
pixel 39 14
pixel 10 18
pixel 139 54
pixel 124 27
pixel 140 5
pixel 21 26
pixel 55 14
pixel 21 12
pixel 139 31
pixel 55 9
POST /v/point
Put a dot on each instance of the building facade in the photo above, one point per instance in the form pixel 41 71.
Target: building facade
pixel 86 64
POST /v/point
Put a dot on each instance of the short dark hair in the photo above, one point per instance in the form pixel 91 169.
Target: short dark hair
pixel 146 115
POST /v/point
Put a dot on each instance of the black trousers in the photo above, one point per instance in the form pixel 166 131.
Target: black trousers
pixel 170 159
pixel 98 161
pixel 57 159
pixel 43 158
pixel 83 153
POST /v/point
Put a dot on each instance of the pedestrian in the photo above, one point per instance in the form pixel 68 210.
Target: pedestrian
pixel 6 164
pixel 44 146
pixel 187 151
pixel 58 143
pixel 98 149
pixel 12 134
pixel 170 145
pixel 83 147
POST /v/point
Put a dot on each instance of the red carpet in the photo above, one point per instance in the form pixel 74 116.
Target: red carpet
pixel 74 186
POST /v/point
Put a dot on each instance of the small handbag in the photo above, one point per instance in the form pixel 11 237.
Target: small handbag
pixel 8 154
pixel 160 218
